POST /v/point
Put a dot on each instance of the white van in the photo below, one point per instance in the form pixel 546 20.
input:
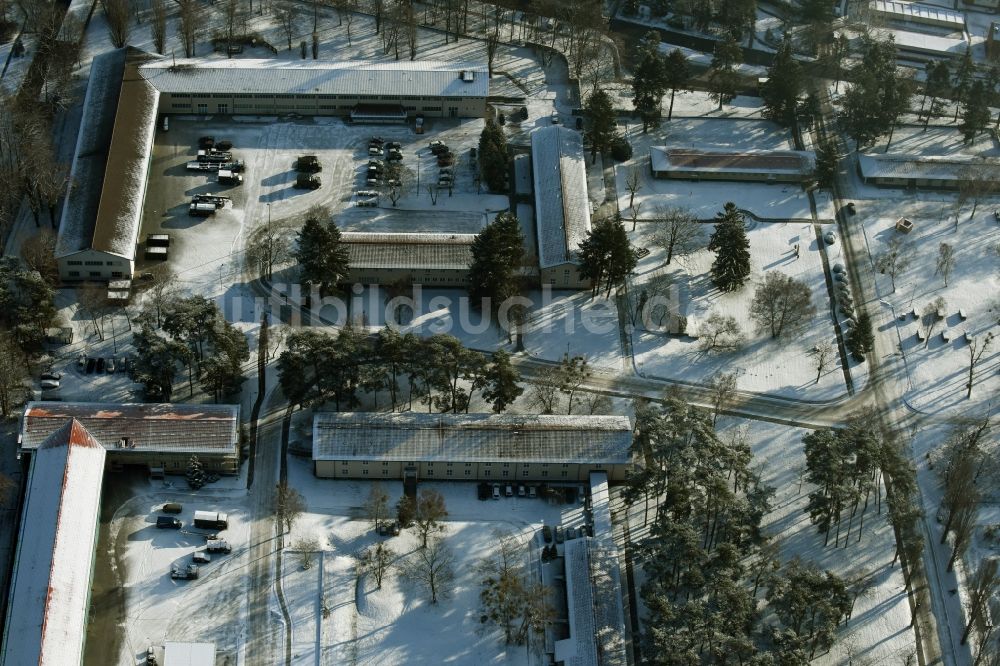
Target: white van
pixel 166 123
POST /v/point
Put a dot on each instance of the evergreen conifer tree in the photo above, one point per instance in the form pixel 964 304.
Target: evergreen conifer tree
pixel 322 257
pixel 861 339
pixel 731 267
pixel 195 473
pixel 497 253
pixel 783 87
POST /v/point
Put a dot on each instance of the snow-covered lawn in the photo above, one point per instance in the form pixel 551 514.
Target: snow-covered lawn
pixel 878 631
pixel 782 366
pixel 397 624
pixel 938 369
pixel 158 608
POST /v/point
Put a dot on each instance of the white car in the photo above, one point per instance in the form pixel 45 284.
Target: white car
pixel 50 385
pixel 555 118
pixel 110 366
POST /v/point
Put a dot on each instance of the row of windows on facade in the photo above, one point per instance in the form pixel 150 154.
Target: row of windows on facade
pixel 506 473
pixel 391 98
pixel 224 108
pixel 93 263
pixel 97 274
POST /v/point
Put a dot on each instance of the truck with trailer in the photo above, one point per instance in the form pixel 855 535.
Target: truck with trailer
pixel 212 520
pixel 306 181
pixel 201 209
pixel 203 166
pixel 214 156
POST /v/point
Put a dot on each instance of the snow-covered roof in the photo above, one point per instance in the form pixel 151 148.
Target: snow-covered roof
pixel 50 588
pixel 922 43
pixel 103 205
pixel 188 654
pixel 471 437
pixel 594 601
pixel 147 427
pixel 562 208
pixel 925 167
pixel 419 78
pixel 412 251
pixel 919 13
pixel 799 162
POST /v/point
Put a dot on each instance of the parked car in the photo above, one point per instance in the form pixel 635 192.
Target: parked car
pixel 532 492
pixel 201 557
pixel 996 214
pixel 91 363
pixel 367 193
pixel 166 522
pixel 189 572
pixel 110 365
pixel 100 364
pixel 367 203
pixel 521 490
pixel 172 507
pixel 547 533
pixel 555 118
pixel 394 156
pixel 374 152
pixel 509 490
pixel 394 145
pixel 55 376
pixel 81 362
pixel 560 537
pixel 496 491
pixel 50 385
pixel 376 140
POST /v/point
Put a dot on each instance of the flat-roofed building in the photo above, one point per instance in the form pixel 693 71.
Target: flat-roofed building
pixel 102 210
pixel 480 447
pixel 366 91
pixel 176 653
pixel 915 12
pixel 159 436
pixel 773 166
pixel 435 260
pixel 562 207
pixel 912 171
pixel 49 595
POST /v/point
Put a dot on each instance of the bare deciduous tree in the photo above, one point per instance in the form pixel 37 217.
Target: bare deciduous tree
pixel 376 561
pixel 982 588
pixel 158 27
pixel 720 333
pixel 377 505
pixel 945 261
pixel 189 25
pixel 285 15
pixel 288 505
pixel 723 390
pixel 677 231
pixel 824 356
pixel 894 260
pixel 544 394
pixel 38 253
pixel 433 568
pixel 978 347
pixel 633 184
pixel 781 304
pixel 267 247
pixel 306 548
pixel 13 375
pixel 932 314
pixel 116 13
pixel 597 403
pixel 429 514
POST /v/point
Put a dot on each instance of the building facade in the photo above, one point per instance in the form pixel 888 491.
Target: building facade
pixel 431 260
pixel 364 90
pixel 770 166
pixel 470 447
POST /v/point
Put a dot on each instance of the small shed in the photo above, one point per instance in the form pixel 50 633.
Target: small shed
pixel 904 225
pixel 61 335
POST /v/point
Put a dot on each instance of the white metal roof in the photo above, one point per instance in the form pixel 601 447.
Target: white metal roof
pixel 562 207
pixel 50 588
pixel 188 654
pixel 148 426
pixel 594 601
pixel 412 251
pixel 913 11
pixel 471 437
pixel 417 78
pixel 919 42
pixel 927 167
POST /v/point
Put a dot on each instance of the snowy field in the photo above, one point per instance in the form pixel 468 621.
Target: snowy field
pixel 878 632
pixel 397 624
pixel 158 608
pixel 938 370
pixel 782 367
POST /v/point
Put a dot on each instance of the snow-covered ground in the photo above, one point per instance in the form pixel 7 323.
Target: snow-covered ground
pixel 397 624
pixel 879 631
pixel 158 608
